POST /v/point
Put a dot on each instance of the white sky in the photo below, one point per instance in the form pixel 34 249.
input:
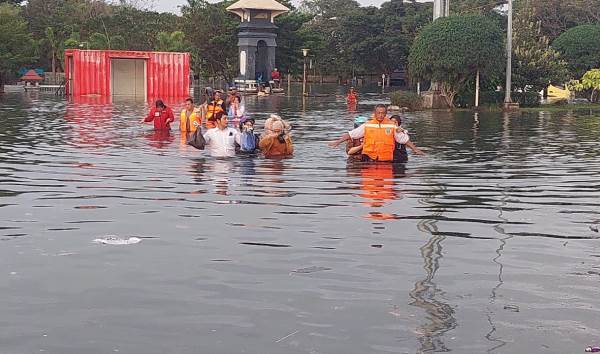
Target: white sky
pixel 171 5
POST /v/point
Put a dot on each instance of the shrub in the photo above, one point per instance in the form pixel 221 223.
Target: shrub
pixel 407 99
pixel 527 99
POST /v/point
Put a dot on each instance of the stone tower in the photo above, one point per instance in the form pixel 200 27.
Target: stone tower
pixel 256 39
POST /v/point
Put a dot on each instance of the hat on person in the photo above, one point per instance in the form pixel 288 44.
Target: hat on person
pixel 245 119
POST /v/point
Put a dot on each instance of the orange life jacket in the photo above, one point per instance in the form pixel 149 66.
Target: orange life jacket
pixel 211 110
pixel 379 141
pixel 187 125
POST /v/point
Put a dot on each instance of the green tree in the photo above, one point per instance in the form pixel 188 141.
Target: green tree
pixel 104 41
pixel 536 64
pixel 329 9
pixel 291 37
pixel 17 46
pixel 590 82
pixel 557 16
pixel 54 48
pixel 171 42
pixel 451 50
pixel 140 28
pixel 212 32
pixel 580 46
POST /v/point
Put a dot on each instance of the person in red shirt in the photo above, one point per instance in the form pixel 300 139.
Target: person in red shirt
pixel 276 77
pixel 161 115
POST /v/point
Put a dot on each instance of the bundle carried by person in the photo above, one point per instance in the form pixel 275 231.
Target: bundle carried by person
pixel 197 139
pixel 248 140
pixel 276 141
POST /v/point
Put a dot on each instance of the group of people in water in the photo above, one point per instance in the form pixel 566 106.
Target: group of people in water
pixel 380 138
pixel 209 122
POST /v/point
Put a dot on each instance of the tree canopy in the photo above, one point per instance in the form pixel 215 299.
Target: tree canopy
pixel 535 63
pixel 580 46
pixel 17 46
pixel 451 50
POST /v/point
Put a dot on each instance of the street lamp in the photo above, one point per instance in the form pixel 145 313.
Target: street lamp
pixel 305 54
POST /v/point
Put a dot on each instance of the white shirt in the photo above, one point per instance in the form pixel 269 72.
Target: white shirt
pixel 221 143
pixel 401 138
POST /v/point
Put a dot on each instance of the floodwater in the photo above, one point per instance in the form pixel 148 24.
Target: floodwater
pixel 487 245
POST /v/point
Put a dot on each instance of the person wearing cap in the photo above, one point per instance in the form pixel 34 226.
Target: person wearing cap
pixel 161 115
pixel 354 146
pixel 276 143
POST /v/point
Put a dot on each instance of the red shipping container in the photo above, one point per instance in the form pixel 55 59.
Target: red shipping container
pixel 127 73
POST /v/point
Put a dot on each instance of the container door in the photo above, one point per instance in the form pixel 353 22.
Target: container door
pixel 128 77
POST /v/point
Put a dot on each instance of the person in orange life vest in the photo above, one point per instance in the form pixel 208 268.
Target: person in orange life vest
pixel 161 115
pixel 352 97
pixel 189 115
pixel 380 136
pixel 215 105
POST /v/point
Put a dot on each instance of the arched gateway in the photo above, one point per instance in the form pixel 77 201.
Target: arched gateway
pixel 256 39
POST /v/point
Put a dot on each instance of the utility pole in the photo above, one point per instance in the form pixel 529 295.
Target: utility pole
pixel 509 34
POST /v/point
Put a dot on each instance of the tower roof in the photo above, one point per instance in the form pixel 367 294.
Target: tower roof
pixel 275 7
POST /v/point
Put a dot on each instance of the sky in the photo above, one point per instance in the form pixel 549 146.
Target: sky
pixel 171 5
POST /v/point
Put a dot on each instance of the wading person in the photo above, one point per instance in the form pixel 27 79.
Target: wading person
pixel 277 143
pixel 161 115
pixel 276 77
pixel 380 137
pixel 189 118
pixel 400 154
pixel 221 140
pixel 213 107
pixel 354 146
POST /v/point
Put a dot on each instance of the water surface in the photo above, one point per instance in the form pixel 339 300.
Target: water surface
pixel 487 245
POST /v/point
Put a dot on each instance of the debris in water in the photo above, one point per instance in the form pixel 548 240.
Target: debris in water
pixel 117 241
pixel 308 270
pixel 592 350
pixel 513 308
pixel 286 337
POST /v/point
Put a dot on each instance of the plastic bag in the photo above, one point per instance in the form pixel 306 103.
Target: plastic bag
pixel 248 141
pixel 197 140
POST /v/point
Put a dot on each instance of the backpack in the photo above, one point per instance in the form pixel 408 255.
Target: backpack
pixel 247 142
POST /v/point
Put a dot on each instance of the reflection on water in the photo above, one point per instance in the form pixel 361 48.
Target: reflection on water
pixel 426 294
pixel 485 245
